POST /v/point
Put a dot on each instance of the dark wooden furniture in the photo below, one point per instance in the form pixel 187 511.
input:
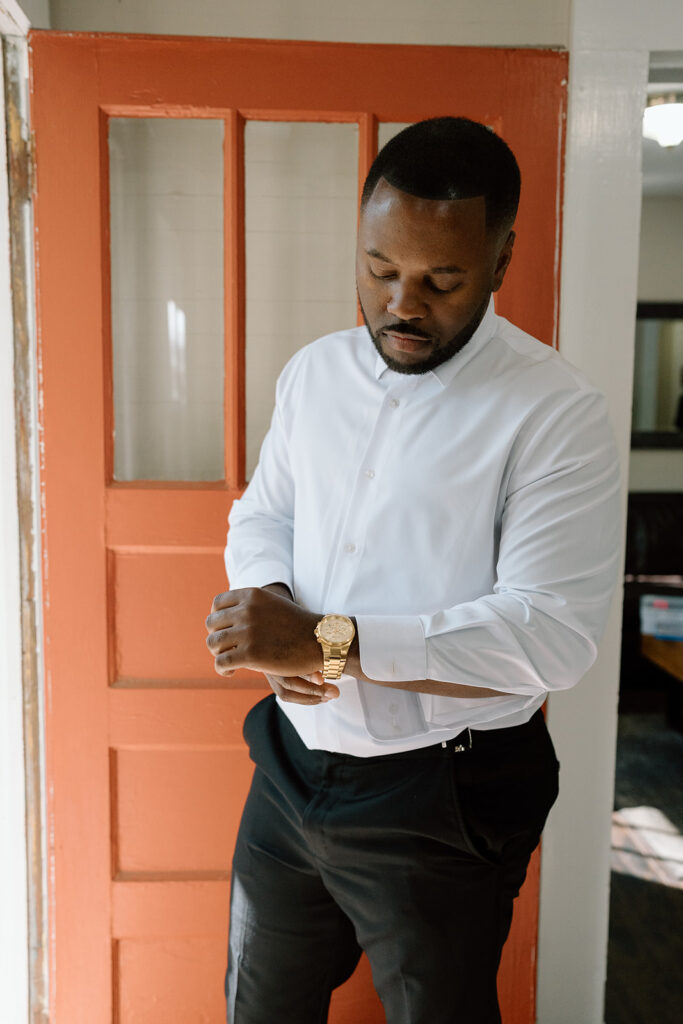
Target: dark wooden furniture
pixel 654 565
pixel 667 654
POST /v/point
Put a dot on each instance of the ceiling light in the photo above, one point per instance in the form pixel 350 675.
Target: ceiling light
pixel 663 120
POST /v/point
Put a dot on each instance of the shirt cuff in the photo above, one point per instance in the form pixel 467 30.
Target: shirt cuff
pixel 261 575
pixel 392 647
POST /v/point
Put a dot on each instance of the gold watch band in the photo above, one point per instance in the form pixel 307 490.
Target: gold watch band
pixel 334 661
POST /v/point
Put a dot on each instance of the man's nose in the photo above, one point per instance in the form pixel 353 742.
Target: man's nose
pixel 406 301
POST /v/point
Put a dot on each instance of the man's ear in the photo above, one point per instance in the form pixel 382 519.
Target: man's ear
pixel 503 261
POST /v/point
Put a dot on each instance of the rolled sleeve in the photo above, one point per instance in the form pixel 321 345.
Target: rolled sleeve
pixel 260 575
pixel 392 647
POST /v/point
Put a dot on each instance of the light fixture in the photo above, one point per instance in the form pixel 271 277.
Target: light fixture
pixel 663 120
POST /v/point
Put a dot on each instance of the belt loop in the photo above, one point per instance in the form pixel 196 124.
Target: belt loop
pixel 460 747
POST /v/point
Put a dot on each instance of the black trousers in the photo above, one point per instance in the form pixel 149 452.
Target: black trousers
pixel 414 857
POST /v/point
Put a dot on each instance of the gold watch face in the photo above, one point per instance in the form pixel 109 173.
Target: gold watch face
pixel 336 629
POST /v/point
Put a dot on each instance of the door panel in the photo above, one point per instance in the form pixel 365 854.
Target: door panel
pixel 190 836
pixel 146 767
pixel 158 637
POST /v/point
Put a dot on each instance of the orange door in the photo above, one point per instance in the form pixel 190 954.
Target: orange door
pixel 146 767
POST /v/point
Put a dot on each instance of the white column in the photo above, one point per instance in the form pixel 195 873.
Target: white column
pixel 597 325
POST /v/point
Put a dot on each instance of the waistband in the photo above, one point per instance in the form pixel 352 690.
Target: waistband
pixel 469 740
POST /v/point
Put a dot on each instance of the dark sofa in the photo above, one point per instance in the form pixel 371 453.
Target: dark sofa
pixel 654 565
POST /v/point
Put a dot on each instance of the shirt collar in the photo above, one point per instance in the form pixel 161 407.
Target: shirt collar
pixel 445 373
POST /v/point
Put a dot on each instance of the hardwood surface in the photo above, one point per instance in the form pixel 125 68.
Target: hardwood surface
pixel 645 952
pixel 667 654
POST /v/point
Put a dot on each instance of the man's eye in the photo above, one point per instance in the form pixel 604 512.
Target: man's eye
pixel 443 291
pixel 381 277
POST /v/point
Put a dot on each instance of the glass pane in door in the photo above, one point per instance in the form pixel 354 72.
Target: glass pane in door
pixel 166 203
pixel 301 215
pixel 387 129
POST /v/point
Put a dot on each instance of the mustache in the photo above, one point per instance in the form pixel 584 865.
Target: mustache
pixel 407 332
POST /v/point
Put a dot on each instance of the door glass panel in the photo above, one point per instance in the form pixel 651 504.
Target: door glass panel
pixel 301 214
pixel 387 129
pixel 166 201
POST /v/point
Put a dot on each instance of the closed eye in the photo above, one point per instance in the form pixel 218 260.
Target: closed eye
pixel 443 291
pixel 428 281
pixel 381 277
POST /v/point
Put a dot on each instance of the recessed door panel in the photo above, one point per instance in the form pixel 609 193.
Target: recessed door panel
pixel 159 606
pixel 168 980
pixel 175 812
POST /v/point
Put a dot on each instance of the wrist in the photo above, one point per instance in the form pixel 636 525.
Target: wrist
pixel 353 665
pixel 281 589
pixel 335 633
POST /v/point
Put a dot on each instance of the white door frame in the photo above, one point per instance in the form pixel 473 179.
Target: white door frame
pixel 23 945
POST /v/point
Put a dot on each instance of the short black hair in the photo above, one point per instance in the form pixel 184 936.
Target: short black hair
pixel 451 158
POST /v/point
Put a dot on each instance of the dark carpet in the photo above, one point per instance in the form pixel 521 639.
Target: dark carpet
pixel 645 951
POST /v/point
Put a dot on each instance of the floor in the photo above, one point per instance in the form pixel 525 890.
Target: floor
pixel 645 952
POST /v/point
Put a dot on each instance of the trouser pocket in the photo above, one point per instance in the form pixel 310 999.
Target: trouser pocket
pixel 502 795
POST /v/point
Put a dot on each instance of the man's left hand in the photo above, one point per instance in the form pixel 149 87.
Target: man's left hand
pixel 256 629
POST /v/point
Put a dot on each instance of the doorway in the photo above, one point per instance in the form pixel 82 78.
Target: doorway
pixel 150 424
pixel 646 901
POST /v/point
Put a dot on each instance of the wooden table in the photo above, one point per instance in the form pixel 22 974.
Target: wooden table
pixel 666 654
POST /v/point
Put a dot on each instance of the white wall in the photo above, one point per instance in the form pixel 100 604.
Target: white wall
pixel 626 25
pixel 37 12
pixel 656 470
pixel 660 273
pixel 458 22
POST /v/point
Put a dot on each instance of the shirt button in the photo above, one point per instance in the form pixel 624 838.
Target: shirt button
pixel 394 403
pixel 349 548
pixel 369 473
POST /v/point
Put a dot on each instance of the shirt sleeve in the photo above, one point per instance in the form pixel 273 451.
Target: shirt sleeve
pixel 557 565
pixel 259 544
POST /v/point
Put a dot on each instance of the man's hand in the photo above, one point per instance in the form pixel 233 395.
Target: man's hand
pixel 309 690
pixel 266 632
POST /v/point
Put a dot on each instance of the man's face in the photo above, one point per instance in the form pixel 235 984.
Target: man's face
pixel 425 270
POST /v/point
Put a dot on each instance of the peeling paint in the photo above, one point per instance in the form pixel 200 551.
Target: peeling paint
pixel 20 173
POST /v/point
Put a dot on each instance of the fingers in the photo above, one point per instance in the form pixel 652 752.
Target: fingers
pixel 302 690
pixel 219 618
pixel 223 663
pixel 225 600
pixel 220 641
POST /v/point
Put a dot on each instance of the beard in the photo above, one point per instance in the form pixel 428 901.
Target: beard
pixel 441 350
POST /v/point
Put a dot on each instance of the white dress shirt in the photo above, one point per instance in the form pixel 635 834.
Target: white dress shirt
pixel 468 517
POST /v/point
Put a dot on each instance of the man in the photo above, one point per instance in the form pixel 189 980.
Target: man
pixel 432 527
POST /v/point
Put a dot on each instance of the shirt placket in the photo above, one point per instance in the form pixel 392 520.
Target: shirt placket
pixel 368 478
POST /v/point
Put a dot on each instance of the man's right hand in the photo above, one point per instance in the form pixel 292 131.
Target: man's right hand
pixel 299 689
pixel 308 690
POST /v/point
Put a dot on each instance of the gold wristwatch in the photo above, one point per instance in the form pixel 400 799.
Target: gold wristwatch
pixel 335 634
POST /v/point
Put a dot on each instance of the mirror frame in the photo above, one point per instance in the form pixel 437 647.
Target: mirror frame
pixel 658 438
